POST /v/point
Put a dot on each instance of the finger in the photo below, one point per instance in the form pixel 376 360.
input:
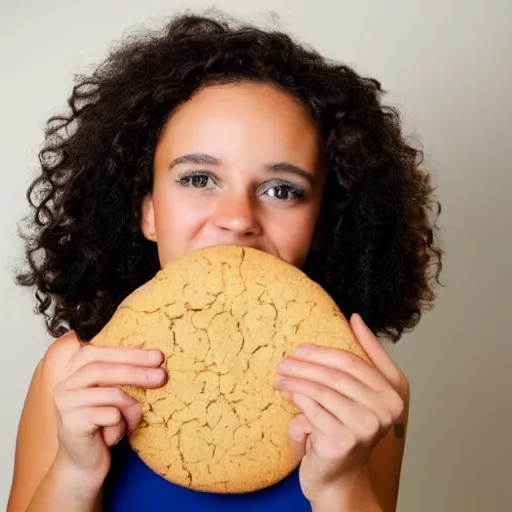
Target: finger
pixel 88 420
pixel 377 352
pixel 103 417
pixel 112 435
pixel 299 430
pixel 318 418
pixel 95 397
pixel 330 445
pixel 286 395
pixel 99 373
pixel 103 397
pixel 115 355
pixel 339 359
pixel 347 385
pixel 325 407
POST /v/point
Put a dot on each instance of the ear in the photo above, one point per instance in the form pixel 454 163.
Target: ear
pixel 148 218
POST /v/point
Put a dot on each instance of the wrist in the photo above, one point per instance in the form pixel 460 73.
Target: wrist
pixel 350 495
pixel 66 487
pixel 83 485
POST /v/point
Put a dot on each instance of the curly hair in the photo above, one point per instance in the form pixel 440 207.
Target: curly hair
pixel 84 246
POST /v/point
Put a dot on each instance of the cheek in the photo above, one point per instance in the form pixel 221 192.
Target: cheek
pixel 176 215
pixel 170 208
pixel 293 236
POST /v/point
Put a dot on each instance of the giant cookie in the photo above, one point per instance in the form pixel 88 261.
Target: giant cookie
pixel 224 317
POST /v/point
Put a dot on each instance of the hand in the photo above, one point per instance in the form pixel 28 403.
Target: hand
pixel 347 407
pixel 93 412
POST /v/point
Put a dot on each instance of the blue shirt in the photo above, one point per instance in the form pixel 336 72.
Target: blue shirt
pixel 131 486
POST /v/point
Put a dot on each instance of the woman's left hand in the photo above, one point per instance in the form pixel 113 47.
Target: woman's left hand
pixel 347 407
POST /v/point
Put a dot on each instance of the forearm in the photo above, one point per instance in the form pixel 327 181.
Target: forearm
pixel 65 489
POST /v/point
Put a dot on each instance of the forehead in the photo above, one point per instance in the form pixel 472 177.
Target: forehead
pixel 251 119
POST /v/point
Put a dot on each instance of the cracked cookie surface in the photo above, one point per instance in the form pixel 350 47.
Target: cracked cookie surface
pixel 224 317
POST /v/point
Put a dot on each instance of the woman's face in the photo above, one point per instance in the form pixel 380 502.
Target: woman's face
pixel 240 165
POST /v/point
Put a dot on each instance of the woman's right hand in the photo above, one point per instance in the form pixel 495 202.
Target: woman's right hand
pixel 93 412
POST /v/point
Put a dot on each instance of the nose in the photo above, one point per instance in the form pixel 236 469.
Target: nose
pixel 237 214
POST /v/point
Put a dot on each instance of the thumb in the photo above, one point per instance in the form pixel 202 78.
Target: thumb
pixel 375 350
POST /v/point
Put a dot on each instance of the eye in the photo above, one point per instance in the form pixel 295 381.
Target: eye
pixel 196 180
pixel 285 192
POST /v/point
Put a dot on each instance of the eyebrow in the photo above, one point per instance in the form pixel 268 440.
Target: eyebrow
pixel 291 169
pixel 195 158
pixel 205 159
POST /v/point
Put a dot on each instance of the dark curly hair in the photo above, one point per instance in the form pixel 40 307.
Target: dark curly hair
pixel 84 245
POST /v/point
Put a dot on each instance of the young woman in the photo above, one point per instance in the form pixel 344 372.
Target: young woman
pixel 208 133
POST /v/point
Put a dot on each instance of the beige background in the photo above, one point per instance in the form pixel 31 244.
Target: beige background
pixel 448 65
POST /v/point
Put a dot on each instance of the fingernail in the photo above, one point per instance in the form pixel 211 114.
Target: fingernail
pixel 283 365
pixel 286 395
pixel 359 319
pixel 158 375
pixel 155 356
pixel 278 380
pixel 302 350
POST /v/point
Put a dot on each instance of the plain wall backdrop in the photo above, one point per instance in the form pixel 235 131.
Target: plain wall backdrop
pixel 447 65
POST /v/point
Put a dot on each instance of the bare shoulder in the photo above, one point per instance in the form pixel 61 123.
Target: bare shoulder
pixel 37 442
pixel 53 367
pixel 59 353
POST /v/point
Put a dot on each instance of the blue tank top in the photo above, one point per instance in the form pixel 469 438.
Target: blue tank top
pixel 131 486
